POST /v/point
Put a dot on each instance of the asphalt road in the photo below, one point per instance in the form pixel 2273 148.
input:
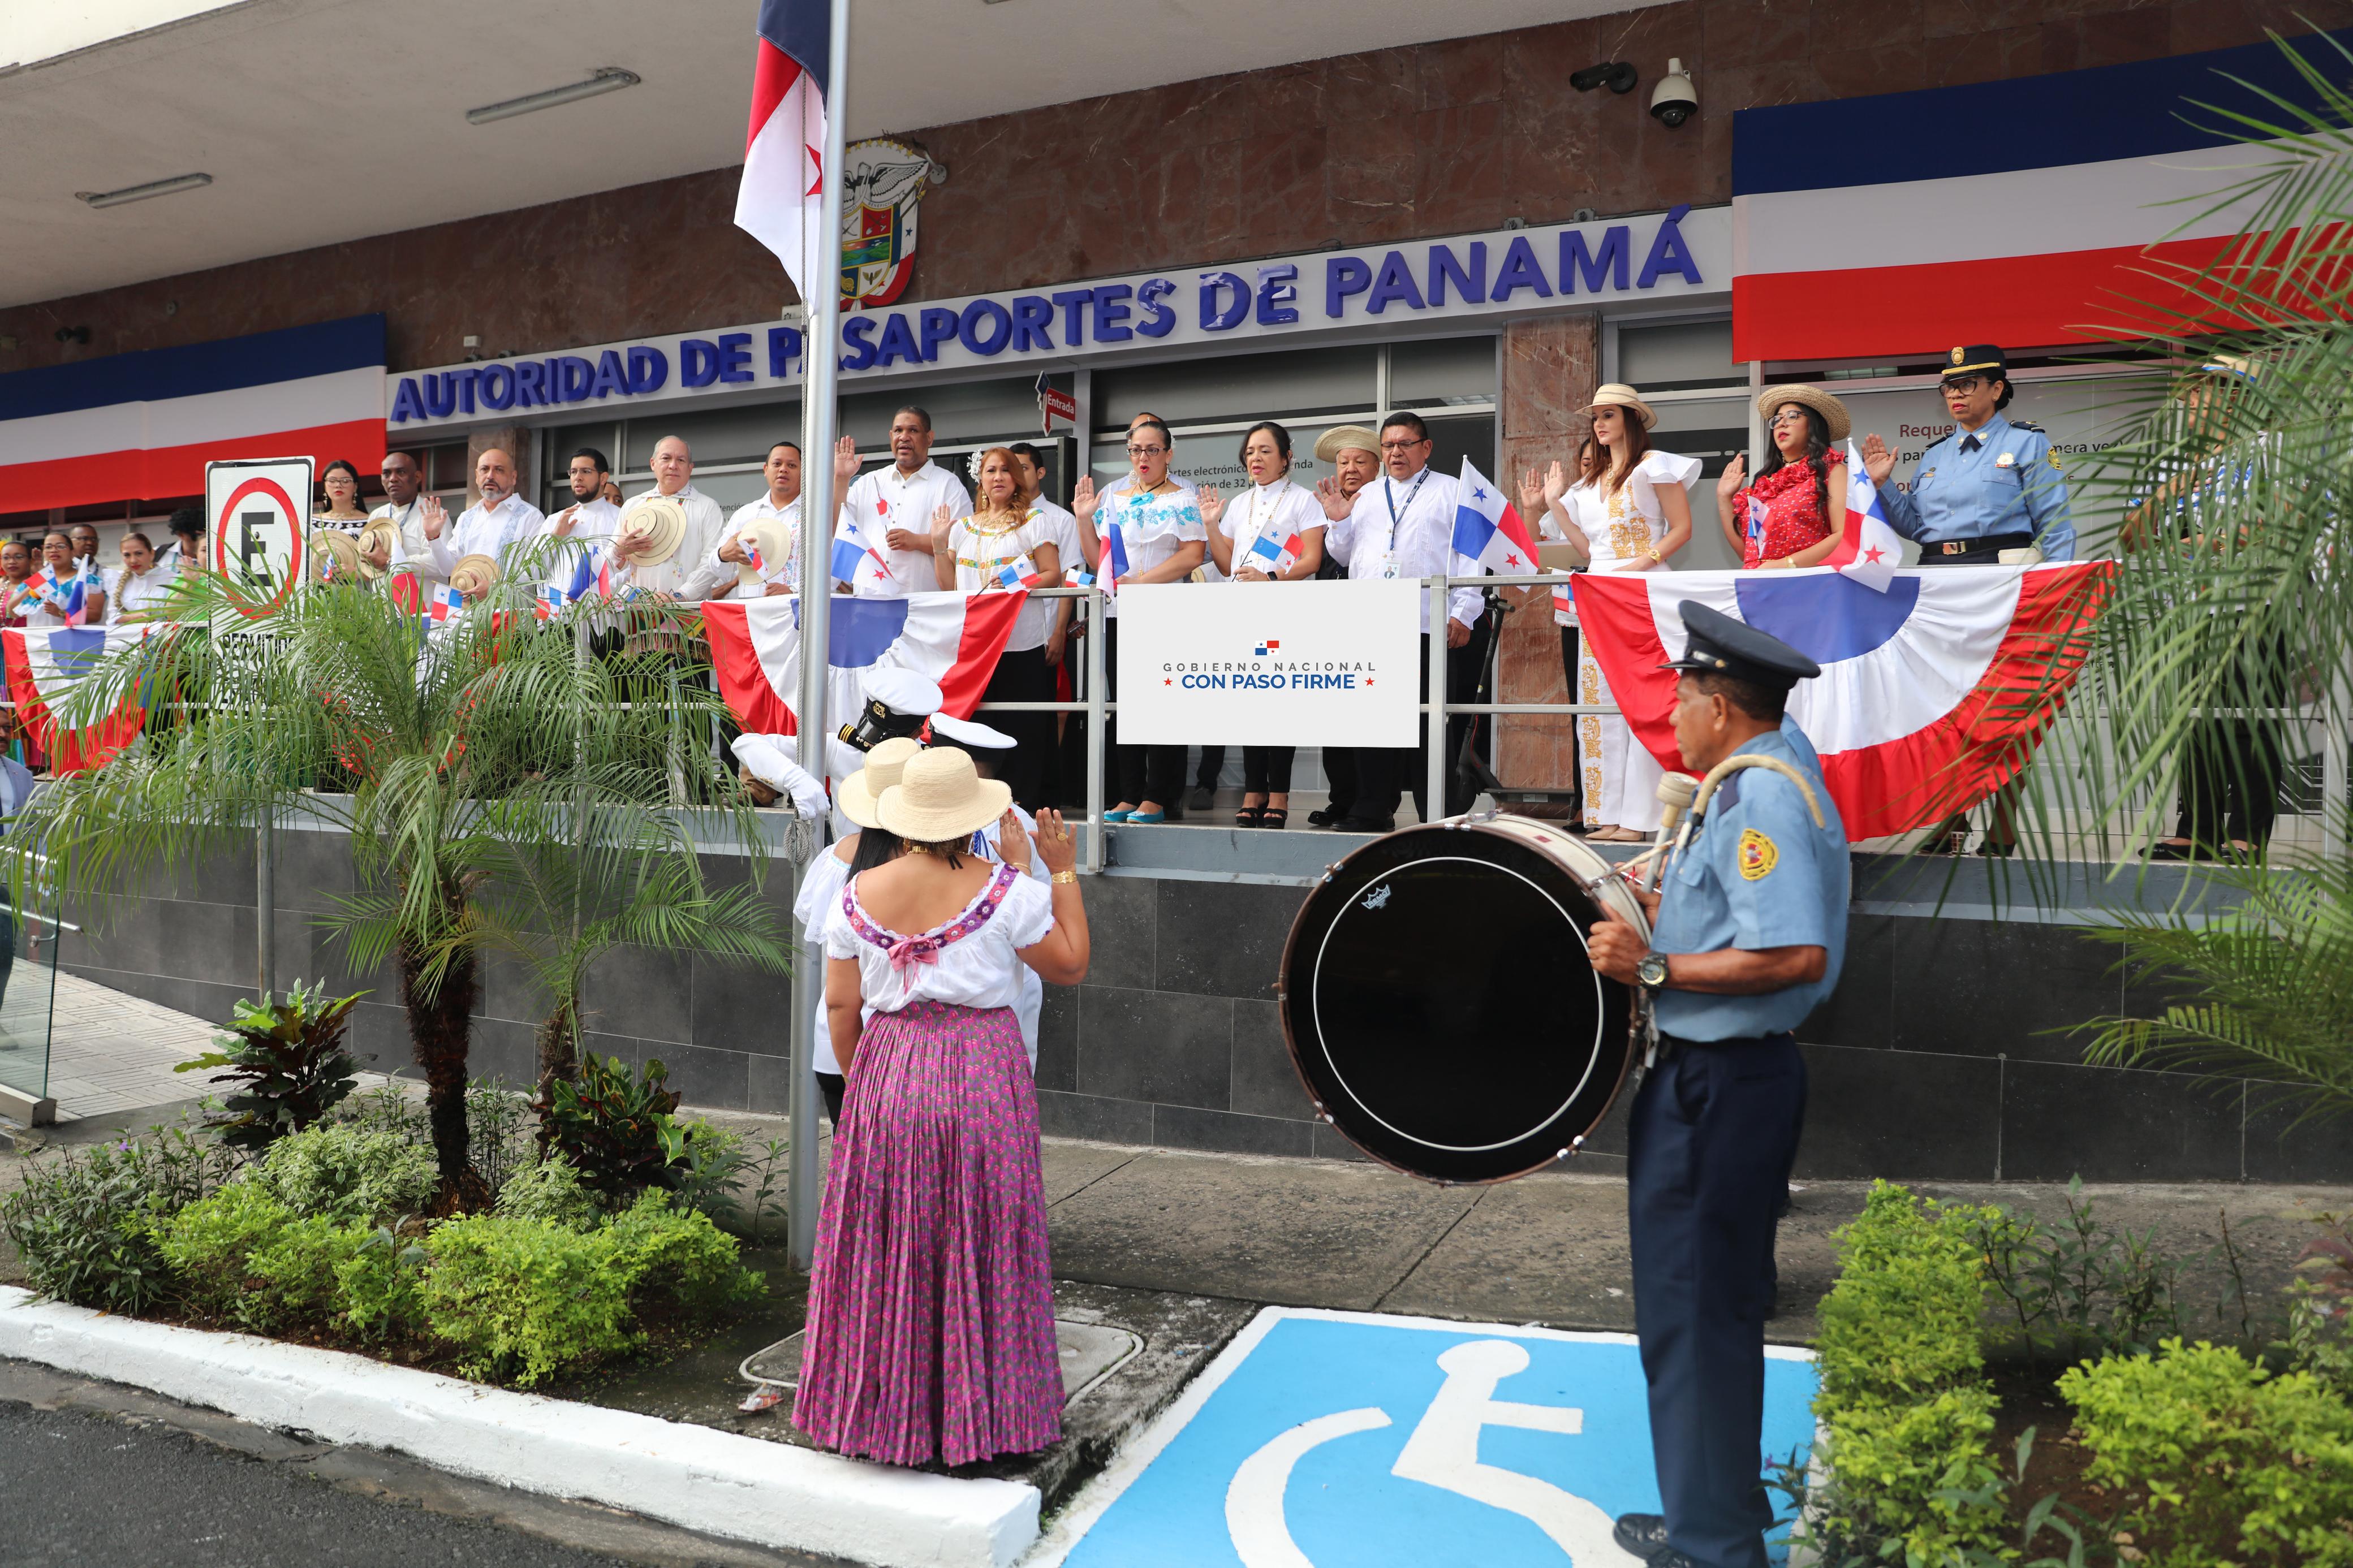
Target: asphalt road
pixel 94 1474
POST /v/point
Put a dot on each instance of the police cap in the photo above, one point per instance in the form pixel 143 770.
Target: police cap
pixel 1718 645
pixel 1976 358
pixel 897 702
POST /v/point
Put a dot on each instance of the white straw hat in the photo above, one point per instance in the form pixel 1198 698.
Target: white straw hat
pixel 1617 394
pixel 658 521
pixel 1833 412
pixel 859 795
pixel 940 796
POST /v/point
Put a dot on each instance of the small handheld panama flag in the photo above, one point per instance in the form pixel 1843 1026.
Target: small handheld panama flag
pixel 852 550
pixel 752 556
pixel 1868 551
pixel 69 596
pixel 1113 565
pixel 1273 557
pixel 447 603
pixel 1757 514
pixel 591 573
pixel 1488 529
pixel 1010 576
pixel 781 199
pixel 552 600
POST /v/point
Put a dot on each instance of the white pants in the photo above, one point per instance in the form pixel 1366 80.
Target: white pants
pixel 1620 776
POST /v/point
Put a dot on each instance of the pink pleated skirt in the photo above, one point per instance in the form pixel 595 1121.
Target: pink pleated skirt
pixel 931 1316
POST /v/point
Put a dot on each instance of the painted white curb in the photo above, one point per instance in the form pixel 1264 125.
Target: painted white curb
pixel 714 1482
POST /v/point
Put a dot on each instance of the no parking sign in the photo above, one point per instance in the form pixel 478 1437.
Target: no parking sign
pixel 256 511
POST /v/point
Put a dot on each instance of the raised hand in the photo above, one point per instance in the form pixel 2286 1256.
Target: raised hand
pixel 845 464
pixel 1212 505
pixel 1877 460
pixel 435 516
pixel 1012 840
pixel 1532 503
pixel 1556 483
pixel 567 521
pixel 1734 474
pixel 943 523
pixel 1082 499
pixel 1332 499
pixel 1056 846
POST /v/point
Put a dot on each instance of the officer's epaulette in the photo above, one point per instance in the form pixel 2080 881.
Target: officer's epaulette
pixel 2024 424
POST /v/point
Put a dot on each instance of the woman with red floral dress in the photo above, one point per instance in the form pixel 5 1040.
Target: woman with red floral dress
pixel 1794 513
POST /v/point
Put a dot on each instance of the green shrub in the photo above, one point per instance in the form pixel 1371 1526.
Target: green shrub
pixel 550 1191
pixel 716 1162
pixel 615 1128
pixel 345 1173
pixel 2229 1459
pixel 1905 1409
pixel 289 1057
pixel 380 1286
pixel 211 1243
pixel 296 1276
pixel 524 1298
pixel 680 1254
pixel 84 1226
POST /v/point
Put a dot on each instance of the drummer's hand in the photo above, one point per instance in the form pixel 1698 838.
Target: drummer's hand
pixel 1617 949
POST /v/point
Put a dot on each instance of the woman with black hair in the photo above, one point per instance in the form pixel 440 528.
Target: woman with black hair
pixel 1273 532
pixel 872 845
pixel 340 483
pixel 1792 515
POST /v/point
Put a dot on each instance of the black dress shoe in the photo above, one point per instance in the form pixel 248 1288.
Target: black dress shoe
pixel 1367 825
pixel 1326 816
pixel 1642 1534
pixel 1201 798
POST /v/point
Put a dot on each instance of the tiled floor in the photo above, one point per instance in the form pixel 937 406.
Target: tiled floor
pixel 112 1052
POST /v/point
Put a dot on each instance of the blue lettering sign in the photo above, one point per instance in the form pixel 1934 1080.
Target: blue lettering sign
pixel 990 343
pixel 440 395
pixel 648 368
pixel 1216 316
pixel 610 377
pixel 406 403
pixel 735 357
pixel 938 327
pixel 1033 324
pixel 783 347
pixel 1074 303
pixel 1395 281
pixel 1520 269
pixel 859 333
pixel 1472 284
pixel 898 342
pixel 1162 320
pixel 530 382
pixel 1668 252
pixel 570 381
pixel 1344 275
pixel 698 362
pixel 1278 295
pixel 465 380
pixel 1575 260
pixel 1111 314
pixel 496 386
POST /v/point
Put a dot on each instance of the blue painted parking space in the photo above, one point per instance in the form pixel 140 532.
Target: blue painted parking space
pixel 1321 1439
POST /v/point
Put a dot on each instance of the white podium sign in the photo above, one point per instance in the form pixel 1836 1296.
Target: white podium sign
pixel 1271 664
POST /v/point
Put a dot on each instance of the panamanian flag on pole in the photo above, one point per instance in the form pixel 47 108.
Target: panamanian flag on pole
pixel 592 573
pixel 856 558
pixel 953 638
pixel 1933 691
pixel 1868 550
pixel 1487 527
pixel 43 667
pixel 781 199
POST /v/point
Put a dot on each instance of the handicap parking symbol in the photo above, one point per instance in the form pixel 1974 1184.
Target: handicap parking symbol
pixel 1325 1439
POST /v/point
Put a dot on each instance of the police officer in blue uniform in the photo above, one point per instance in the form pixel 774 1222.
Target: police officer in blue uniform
pixel 1749 932
pixel 1992 485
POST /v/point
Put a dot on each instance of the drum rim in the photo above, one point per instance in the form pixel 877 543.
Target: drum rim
pixel 1290 1039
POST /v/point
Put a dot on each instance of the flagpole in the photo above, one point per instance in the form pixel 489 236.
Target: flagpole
pixel 820 388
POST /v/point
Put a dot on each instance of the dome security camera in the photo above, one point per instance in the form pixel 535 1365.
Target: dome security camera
pixel 1673 100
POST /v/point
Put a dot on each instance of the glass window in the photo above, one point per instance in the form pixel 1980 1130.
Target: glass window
pixel 448 466
pixel 715 436
pixel 1240 387
pixel 1672 358
pixel 989 411
pixel 1432 373
pixel 730 490
pixel 563 440
pixel 1715 430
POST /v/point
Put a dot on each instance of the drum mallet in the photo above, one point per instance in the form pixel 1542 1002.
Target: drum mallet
pixel 1674 792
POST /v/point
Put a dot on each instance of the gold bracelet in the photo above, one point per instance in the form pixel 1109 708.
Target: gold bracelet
pixel 1066 877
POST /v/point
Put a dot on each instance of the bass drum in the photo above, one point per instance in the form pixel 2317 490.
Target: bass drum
pixel 1439 1005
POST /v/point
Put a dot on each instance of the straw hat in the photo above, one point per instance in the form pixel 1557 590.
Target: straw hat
pixel 1345 438
pixel 332 545
pixel 775 543
pixel 2231 367
pixel 659 519
pixel 1832 411
pixel 380 531
pixel 859 795
pixel 940 796
pixel 1617 394
pixel 474 576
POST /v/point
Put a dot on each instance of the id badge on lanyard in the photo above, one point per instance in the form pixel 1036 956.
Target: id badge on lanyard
pixel 1397 518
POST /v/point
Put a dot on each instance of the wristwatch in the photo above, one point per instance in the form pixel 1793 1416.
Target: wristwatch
pixel 1652 971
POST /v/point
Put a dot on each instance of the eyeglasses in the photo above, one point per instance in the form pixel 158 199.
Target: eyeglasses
pixel 1964 385
pixel 1404 445
pixel 1787 416
pixel 1145 451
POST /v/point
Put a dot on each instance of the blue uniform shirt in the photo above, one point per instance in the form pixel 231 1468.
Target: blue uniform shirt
pixel 2010 484
pixel 1757 873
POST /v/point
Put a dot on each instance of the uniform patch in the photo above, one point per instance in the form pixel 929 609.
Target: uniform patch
pixel 1758 856
pixel 2054 460
pixel 2005 461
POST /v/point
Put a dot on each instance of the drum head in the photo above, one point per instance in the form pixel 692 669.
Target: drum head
pixel 1440 1008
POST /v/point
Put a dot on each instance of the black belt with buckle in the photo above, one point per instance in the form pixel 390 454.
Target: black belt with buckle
pixel 1990 545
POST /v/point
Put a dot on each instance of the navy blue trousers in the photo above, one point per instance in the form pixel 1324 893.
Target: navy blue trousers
pixel 1713 1132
